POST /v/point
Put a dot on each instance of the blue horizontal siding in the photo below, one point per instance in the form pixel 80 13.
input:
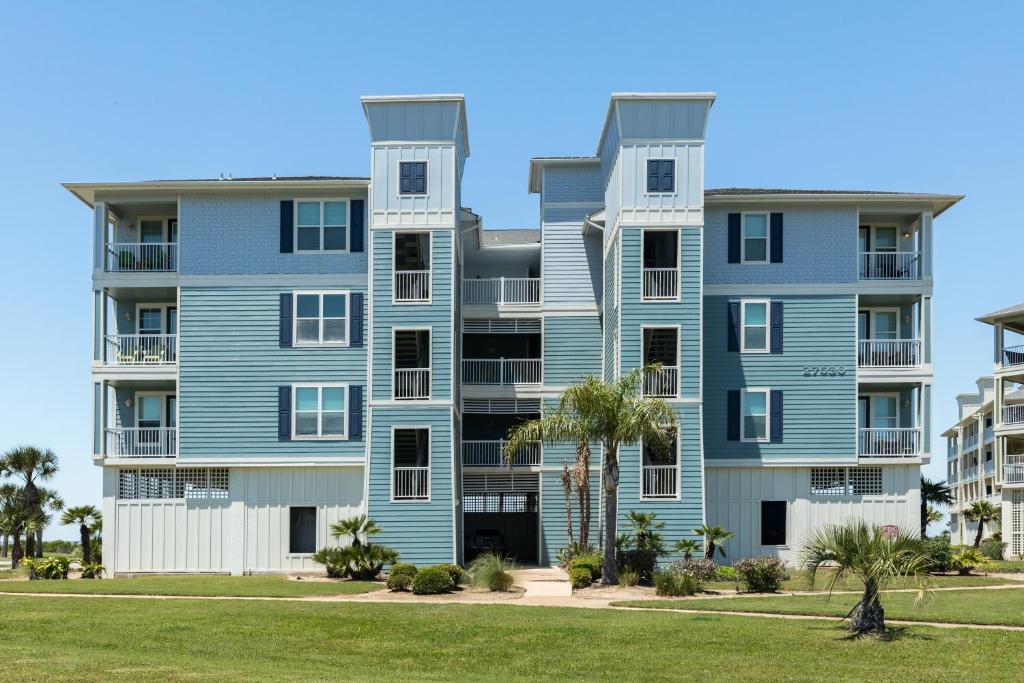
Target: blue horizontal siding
pixel 554 534
pixel 572 349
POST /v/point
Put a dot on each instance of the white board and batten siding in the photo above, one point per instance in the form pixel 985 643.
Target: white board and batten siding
pixel 734 496
pixel 246 532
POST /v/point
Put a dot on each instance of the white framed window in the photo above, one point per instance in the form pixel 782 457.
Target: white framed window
pixel 319 411
pixel 755 317
pixel 754 244
pixel 321 318
pixel 410 463
pixel 754 425
pixel 659 470
pixel 321 225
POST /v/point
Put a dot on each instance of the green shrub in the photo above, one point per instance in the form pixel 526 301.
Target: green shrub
pixel 968 559
pixel 93 570
pixel 761 574
pixel 726 574
pixel 457 573
pixel 432 581
pixel 629 577
pixel 335 560
pixel 676 583
pixel 401 576
pixel 993 548
pixel 643 562
pixel 567 555
pixel 491 571
pixel 580 577
pixel 939 552
pixel 593 563
pixel 47 568
pixel 703 570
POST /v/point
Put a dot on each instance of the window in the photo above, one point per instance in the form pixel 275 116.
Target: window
pixel 846 481
pixel 865 481
pixel 755 415
pixel 321 226
pixel 412 364
pixel 412 177
pixel 412 267
pixel 661 175
pixel 755 238
pixel 660 469
pixel 302 530
pixel 773 522
pixel 319 411
pixel 151 231
pixel 754 326
pixel 410 456
pixel 321 318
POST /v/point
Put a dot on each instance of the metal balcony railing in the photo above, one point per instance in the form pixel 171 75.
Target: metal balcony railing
pixel 890 265
pixel 412 383
pixel 142 442
pixel 659 481
pixel 141 257
pixel 491 453
pixel 412 286
pixel 411 483
pixel 889 353
pixel 502 371
pixel 141 349
pixel 663 382
pixel 902 442
pixel 501 291
pixel 660 283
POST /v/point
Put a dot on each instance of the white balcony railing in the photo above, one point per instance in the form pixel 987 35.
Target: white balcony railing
pixel 1013 415
pixel 502 371
pixel 660 283
pixel 889 353
pixel 1013 472
pixel 492 454
pixel 411 483
pixel 890 443
pixel 501 291
pixel 1013 355
pixel 141 349
pixel 412 286
pixel 951 478
pixel 660 481
pixel 142 442
pixel 970 442
pixel 890 265
pixel 990 467
pixel 663 382
pixel 411 383
pixel 142 257
pixel 970 473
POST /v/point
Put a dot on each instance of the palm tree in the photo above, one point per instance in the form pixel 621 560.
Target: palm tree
pixel 982 512
pixel 874 557
pixel 933 492
pixel 9 493
pixel 714 537
pixel 687 547
pixel 84 516
pixel 97 538
pixel 29 464
pixel 358 528
pixel 14 518
pixel 49 501
pixel 646 531
pixel 614 414
pixel 933 515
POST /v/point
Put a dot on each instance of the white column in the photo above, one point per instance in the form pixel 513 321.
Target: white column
pixel 236 488
pixel 997 344
pixel 101 217
pixel 926 244
pixel 110 558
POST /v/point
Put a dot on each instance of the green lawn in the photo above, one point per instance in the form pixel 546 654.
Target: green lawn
pixel 233 586
pixel 73 639
pixel 798 582
pixel 963 607
pixel 1005 566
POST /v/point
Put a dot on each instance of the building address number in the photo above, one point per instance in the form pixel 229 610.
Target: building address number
pixel 824 370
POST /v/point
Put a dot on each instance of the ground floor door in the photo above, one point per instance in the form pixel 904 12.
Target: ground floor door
pixel 501 513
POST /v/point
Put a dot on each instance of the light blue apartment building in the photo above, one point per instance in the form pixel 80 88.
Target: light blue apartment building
pixel 271 355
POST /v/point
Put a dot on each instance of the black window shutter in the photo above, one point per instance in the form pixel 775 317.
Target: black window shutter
pixel 355 413
pixel 287 225
pixel 668 168
pixel 652 175
pixel 777 327
pixel 405 177
pixel 284 413
pixel 733 416
pixel 776 238
pixel 734 238
pixel 356 322
pixel 286 320
pixel 776 416
pixel 733 331
pixel 419 177
pixel 356 224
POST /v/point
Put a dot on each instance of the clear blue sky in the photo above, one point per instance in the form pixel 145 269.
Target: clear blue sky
pixel 894 96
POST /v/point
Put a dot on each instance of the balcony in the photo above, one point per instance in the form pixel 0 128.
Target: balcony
pixel 659 481
pixel 990 468
pixel 412 286
pixel 411 483
pixel 663 382
pixel 951 478
pixel 970 473
pixel 889 443
pixel 889 353
pixel 890 265
pixel 1013 415
pixel 1013 473
pixel 502 291
pixel 1013 356
pixel 970 442
pixel 661 284
pixel 502 371
pixel 144 442
pixel 412 383
pixel 491 453
pixel 131 350
pixel 142 257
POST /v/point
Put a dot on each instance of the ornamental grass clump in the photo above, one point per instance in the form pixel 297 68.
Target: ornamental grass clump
pixel 676 582
pixel 491 571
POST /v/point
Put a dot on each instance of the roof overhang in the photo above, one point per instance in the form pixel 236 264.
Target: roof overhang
pixel 87 191
pixel 538 164
pixel 880 200
pixel 457 98
pixel 621 96
pixel 1011 318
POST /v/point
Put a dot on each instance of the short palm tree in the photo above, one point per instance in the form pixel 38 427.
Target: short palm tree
pixel 687 547
pixel 714 537
pixel 614 414
pixel 357 528
pixel 871 555
pixel 15 517
pixel 9 495
pixel 29 464
pixel 84 516
pixel 646 530
pixel 49 502
pixel 933 493
pixel 982 512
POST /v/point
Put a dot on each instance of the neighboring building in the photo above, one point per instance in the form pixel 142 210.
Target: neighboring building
pixel 272 355
pixel 985 448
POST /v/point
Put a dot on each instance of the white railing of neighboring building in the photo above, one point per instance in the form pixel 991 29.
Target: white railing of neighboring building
pixel 501 291
pixel 890 265
pixel 951 478
pixel 970 442
pixel 141 349
pixel 502 371
pixel 990 467
pixel 412 286
pixel 1013 415
pixel 661 283
pixel 889 353
pixel 663 382
pixel 484 453
pixel 142 442
pixel 659 481
pixel 902 442
pixel 142 257
pixel 1013 355
pixel 411 483
pixel 1013 472
pixel 970 473
pixel 412 383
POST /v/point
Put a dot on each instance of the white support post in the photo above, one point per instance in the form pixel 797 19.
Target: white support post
pixel 997 331
pixel 926 244
pixel 101 218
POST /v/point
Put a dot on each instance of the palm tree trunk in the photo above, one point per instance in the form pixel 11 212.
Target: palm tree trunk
pixel 709 550
pixel 16 552
pixel 83 533
pixel 3 549
pixel 30 544
pixel 567 489
pixel 924 518
pixel 39 543
pixel 609 572
pixel 582 474
pixel 867 617
pixel 977 537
